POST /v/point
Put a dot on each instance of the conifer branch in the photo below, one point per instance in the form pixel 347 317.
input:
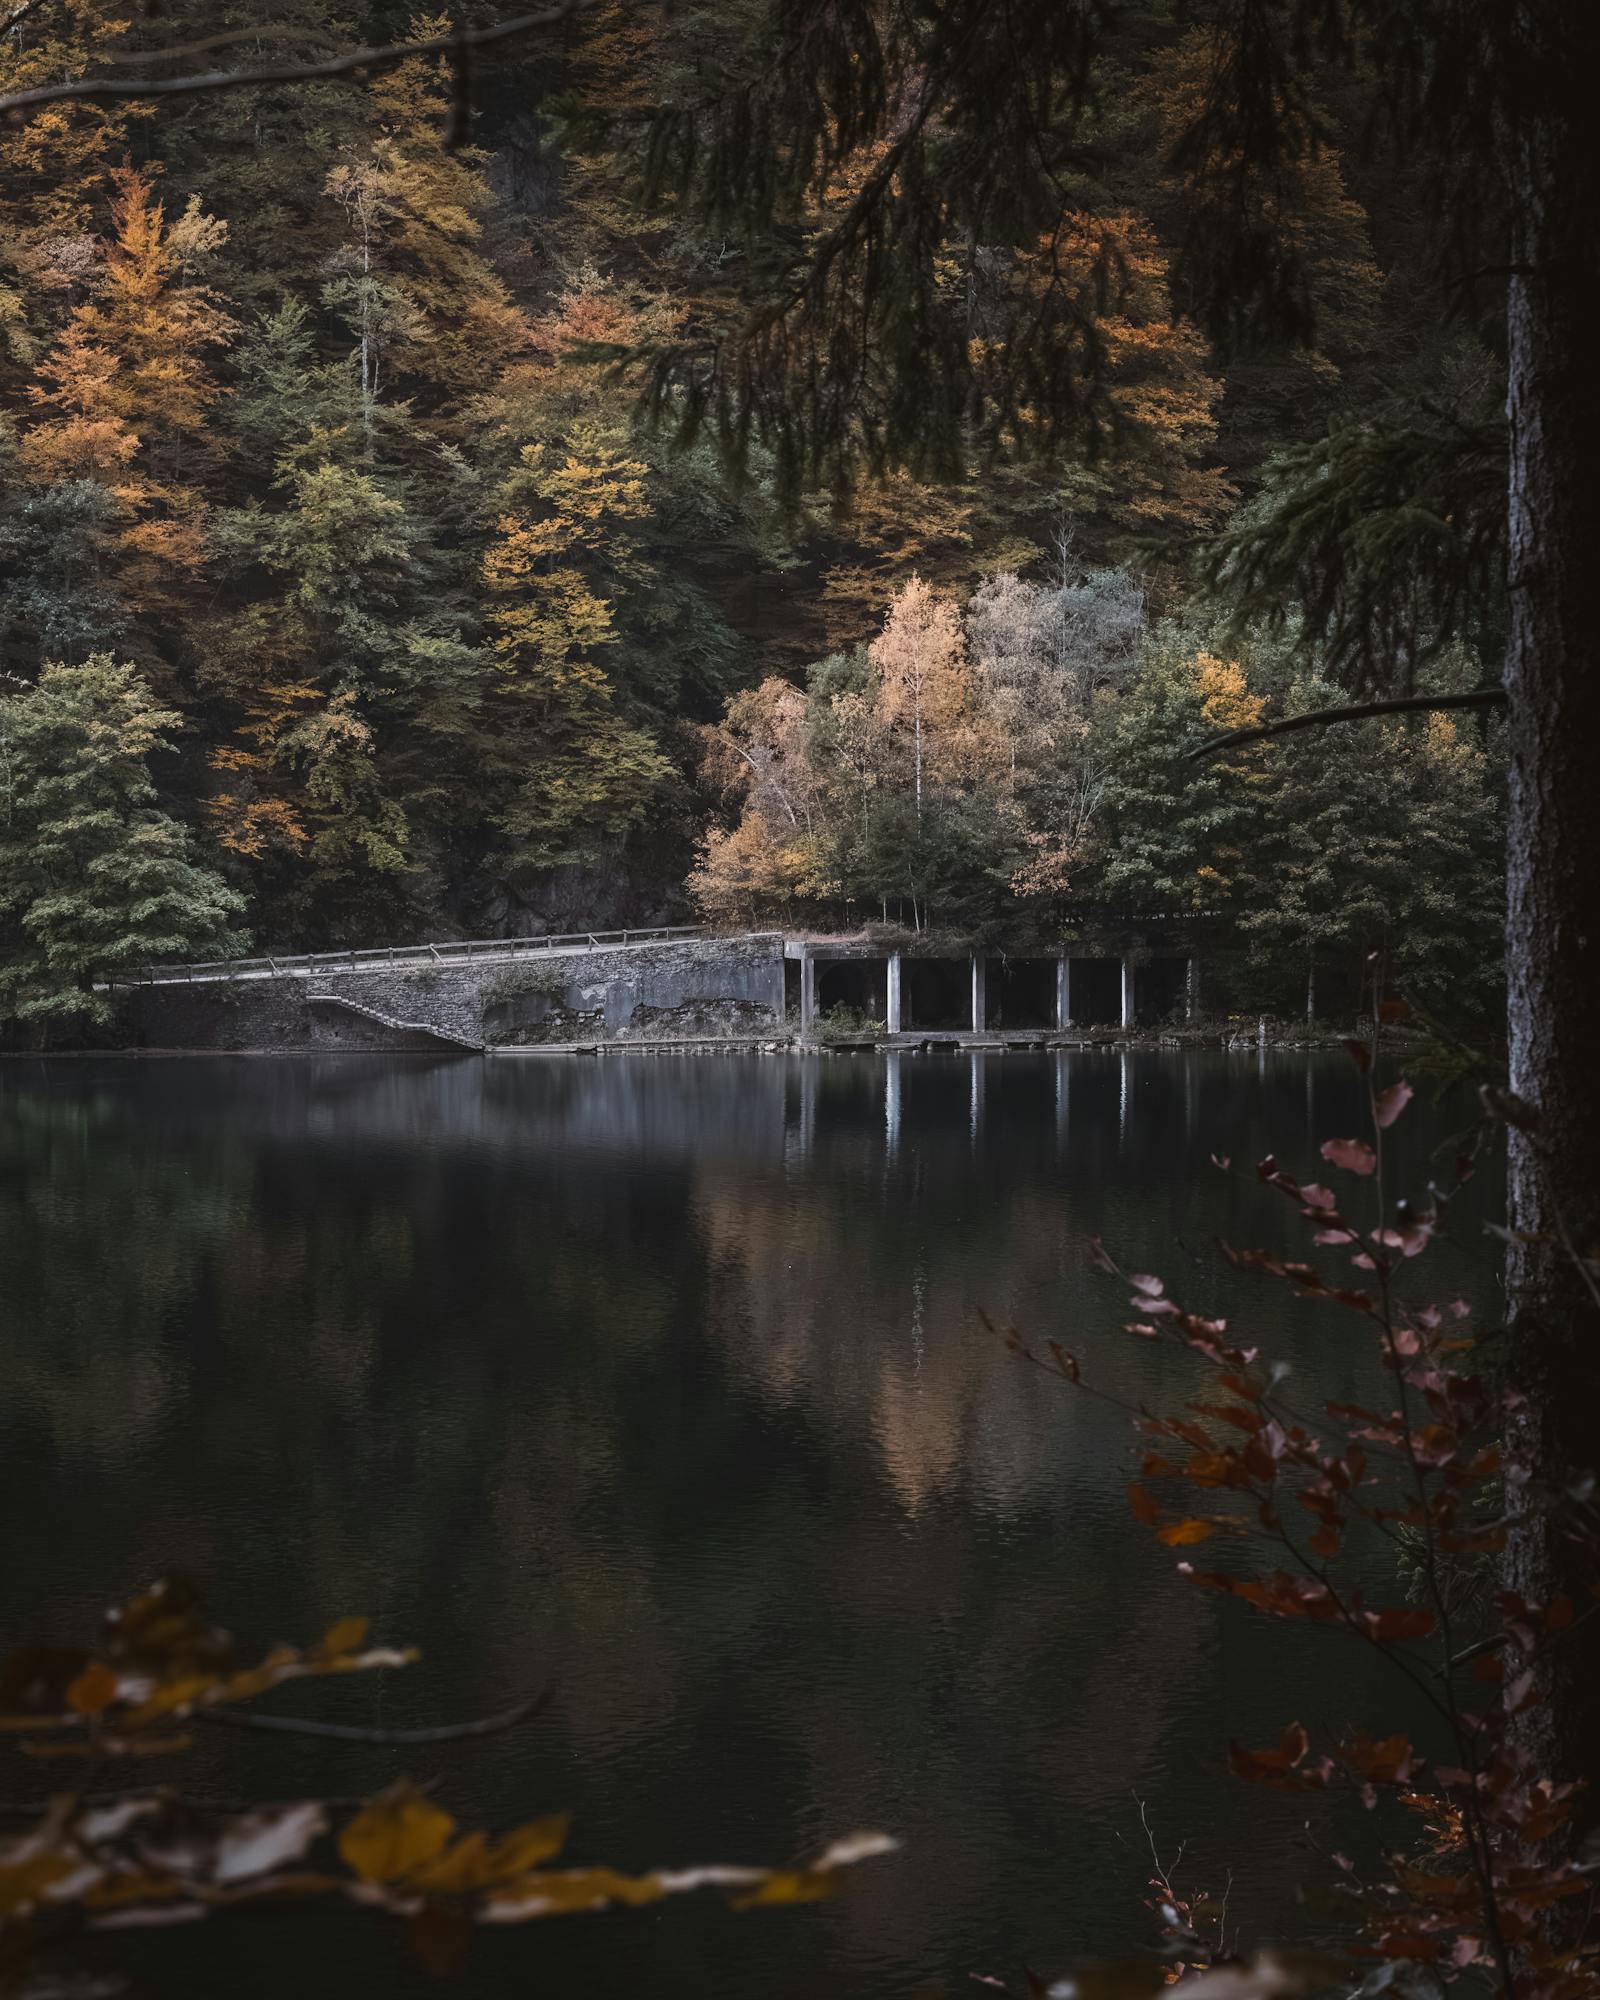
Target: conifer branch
pixel 353 62
pixel 1315 718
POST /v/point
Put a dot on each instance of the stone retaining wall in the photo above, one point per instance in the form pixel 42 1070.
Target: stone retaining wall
pixel 705 987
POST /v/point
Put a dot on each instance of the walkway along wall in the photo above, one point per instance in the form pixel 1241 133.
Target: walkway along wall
pixel 706 987
pixel 696 989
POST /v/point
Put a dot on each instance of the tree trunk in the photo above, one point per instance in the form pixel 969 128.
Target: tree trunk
pixel 1553 846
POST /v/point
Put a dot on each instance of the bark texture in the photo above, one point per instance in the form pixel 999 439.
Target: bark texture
pixel 1553 838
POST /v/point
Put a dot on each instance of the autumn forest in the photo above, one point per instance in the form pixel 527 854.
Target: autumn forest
pixel 797 975
pixel 343 504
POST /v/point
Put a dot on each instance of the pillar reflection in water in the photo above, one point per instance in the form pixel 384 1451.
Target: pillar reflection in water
pixel 1063 1094
pixel 891 1101
pixel 808 1108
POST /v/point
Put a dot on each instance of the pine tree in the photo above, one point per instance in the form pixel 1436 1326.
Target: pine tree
pixel 430 318
pixel 1170 838
pixel 94 878
pixel 1377 854
pixel 347 662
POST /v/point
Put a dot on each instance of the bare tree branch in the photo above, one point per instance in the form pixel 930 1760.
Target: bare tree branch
pixel 1490 697
pixel 354 62
pixel 17 16
pixel 224 37
pixel 349 1732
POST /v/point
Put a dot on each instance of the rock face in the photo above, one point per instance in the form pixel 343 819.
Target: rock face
pixel 707 987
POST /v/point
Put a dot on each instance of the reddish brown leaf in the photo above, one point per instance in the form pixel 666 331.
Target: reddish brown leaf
pixel 1388 1760
pixel 1354 1155
pixel 1274 1767
pixel 1389 1104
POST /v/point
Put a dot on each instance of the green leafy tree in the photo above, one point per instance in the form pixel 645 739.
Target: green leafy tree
pixel 94 878
pixel 1379 853
pixel 1169 838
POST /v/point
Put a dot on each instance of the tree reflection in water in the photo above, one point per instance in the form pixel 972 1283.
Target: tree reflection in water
pixel 666 1376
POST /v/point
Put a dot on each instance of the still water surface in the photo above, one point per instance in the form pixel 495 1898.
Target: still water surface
pixel 666 1378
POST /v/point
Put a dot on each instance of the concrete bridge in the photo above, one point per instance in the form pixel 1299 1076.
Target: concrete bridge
pixel 677 986
pixel 918 995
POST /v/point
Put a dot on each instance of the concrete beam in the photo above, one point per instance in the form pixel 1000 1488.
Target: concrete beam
pixel 1063 992
pixel 893 1001
pixel 808 994
pixel 980 993
pixel 1127 992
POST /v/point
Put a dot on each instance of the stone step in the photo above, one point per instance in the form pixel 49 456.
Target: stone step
pixel 389 1021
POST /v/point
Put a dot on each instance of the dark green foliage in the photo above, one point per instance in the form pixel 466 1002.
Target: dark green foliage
pixel 1387 539
pixel 1379 852
pixel 851 154
pixel 94 878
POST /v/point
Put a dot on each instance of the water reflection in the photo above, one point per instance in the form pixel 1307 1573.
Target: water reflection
pixel 667 1376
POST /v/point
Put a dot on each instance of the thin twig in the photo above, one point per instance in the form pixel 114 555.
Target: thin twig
pixel 349 1732
pixel 166 1794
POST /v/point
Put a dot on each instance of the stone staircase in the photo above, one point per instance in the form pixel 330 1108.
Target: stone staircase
pixel 427 1028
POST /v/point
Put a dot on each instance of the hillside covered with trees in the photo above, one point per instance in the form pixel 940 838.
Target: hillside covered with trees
pixel 348 591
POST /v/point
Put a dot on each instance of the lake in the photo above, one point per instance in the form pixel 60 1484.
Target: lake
pixel 664 1378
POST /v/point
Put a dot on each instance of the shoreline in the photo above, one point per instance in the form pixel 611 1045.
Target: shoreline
pixel 912 1042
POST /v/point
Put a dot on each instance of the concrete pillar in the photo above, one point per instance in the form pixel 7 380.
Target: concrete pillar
pixel 1063 992
pixel 1127 993
pixel 894 993
pixel 808 994
pixel 980 993
pixel 1191 989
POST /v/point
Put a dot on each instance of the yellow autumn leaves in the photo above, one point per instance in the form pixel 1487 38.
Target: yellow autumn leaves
pixel 155 1857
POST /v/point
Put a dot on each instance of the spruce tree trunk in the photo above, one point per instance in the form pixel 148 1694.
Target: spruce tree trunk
pixel 1553 846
